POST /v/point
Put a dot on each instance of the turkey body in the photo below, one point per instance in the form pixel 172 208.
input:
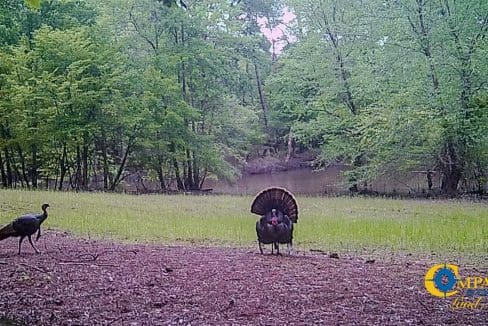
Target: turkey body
pixel 274 228
pixel 25 226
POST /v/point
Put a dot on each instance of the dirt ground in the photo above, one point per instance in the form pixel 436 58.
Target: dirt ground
pixel 86 282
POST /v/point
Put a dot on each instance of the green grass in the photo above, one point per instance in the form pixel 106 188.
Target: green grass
pixel 339 224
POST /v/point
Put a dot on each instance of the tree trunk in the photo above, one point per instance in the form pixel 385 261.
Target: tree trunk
pixel 189 174
pixel 196 174
pixel 344 75
pixel 429 179
pixel 452 168
pixel 345 81
pixel 290 147
pixel 8 168
pixel 202 181
pixel 78 168
pixel 84 176
pixel 106 172
pixel 62 167
pixel 262 98
pixel 17 176
pixel 23 167
pixel 3 175
pixel 185 174
pixel 162 184
pixel 450 181
pixel 357 162
pixel 121 168
pixel 34 167
pixel 179 182
pixel 159 170
pixel 195 177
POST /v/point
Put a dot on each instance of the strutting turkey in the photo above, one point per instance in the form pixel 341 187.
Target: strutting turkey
pixel 25 226
pixel 278 210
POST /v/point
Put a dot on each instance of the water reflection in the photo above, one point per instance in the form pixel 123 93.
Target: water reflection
pixel 307 181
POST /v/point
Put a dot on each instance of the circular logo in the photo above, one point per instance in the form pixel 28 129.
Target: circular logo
pixel 441 280
pixel 445 280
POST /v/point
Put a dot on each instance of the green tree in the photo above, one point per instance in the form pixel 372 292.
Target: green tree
pixel 387 86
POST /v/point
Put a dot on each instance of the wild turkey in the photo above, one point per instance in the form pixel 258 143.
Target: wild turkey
pixel 25 226
pixel 278 210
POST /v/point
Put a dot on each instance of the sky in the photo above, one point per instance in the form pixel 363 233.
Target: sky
pixel 278 34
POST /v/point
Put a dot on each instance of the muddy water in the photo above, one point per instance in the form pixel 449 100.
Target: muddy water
pixel 307 181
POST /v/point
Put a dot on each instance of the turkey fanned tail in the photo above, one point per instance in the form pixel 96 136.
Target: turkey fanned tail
pixel 275 198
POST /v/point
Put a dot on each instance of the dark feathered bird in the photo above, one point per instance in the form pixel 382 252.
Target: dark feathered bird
pixel 278 210
pixel 25 226
pixel 274 228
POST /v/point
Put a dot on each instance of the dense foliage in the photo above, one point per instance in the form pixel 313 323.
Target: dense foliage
pixel 95 92
pixel 389 86
pixel 177 91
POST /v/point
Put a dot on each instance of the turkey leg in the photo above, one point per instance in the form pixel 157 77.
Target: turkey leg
pixel 30 241
pixel 277 246
pixel 289 247
pixel 20 242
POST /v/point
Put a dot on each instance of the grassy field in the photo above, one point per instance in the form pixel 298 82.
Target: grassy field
pixel 451 228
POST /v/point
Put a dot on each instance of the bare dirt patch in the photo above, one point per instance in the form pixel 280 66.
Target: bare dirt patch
pixel 86 282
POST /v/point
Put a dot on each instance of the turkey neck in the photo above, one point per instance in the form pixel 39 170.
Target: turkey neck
pixel 43 216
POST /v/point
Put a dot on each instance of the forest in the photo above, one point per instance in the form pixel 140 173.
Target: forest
pixel 92 92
